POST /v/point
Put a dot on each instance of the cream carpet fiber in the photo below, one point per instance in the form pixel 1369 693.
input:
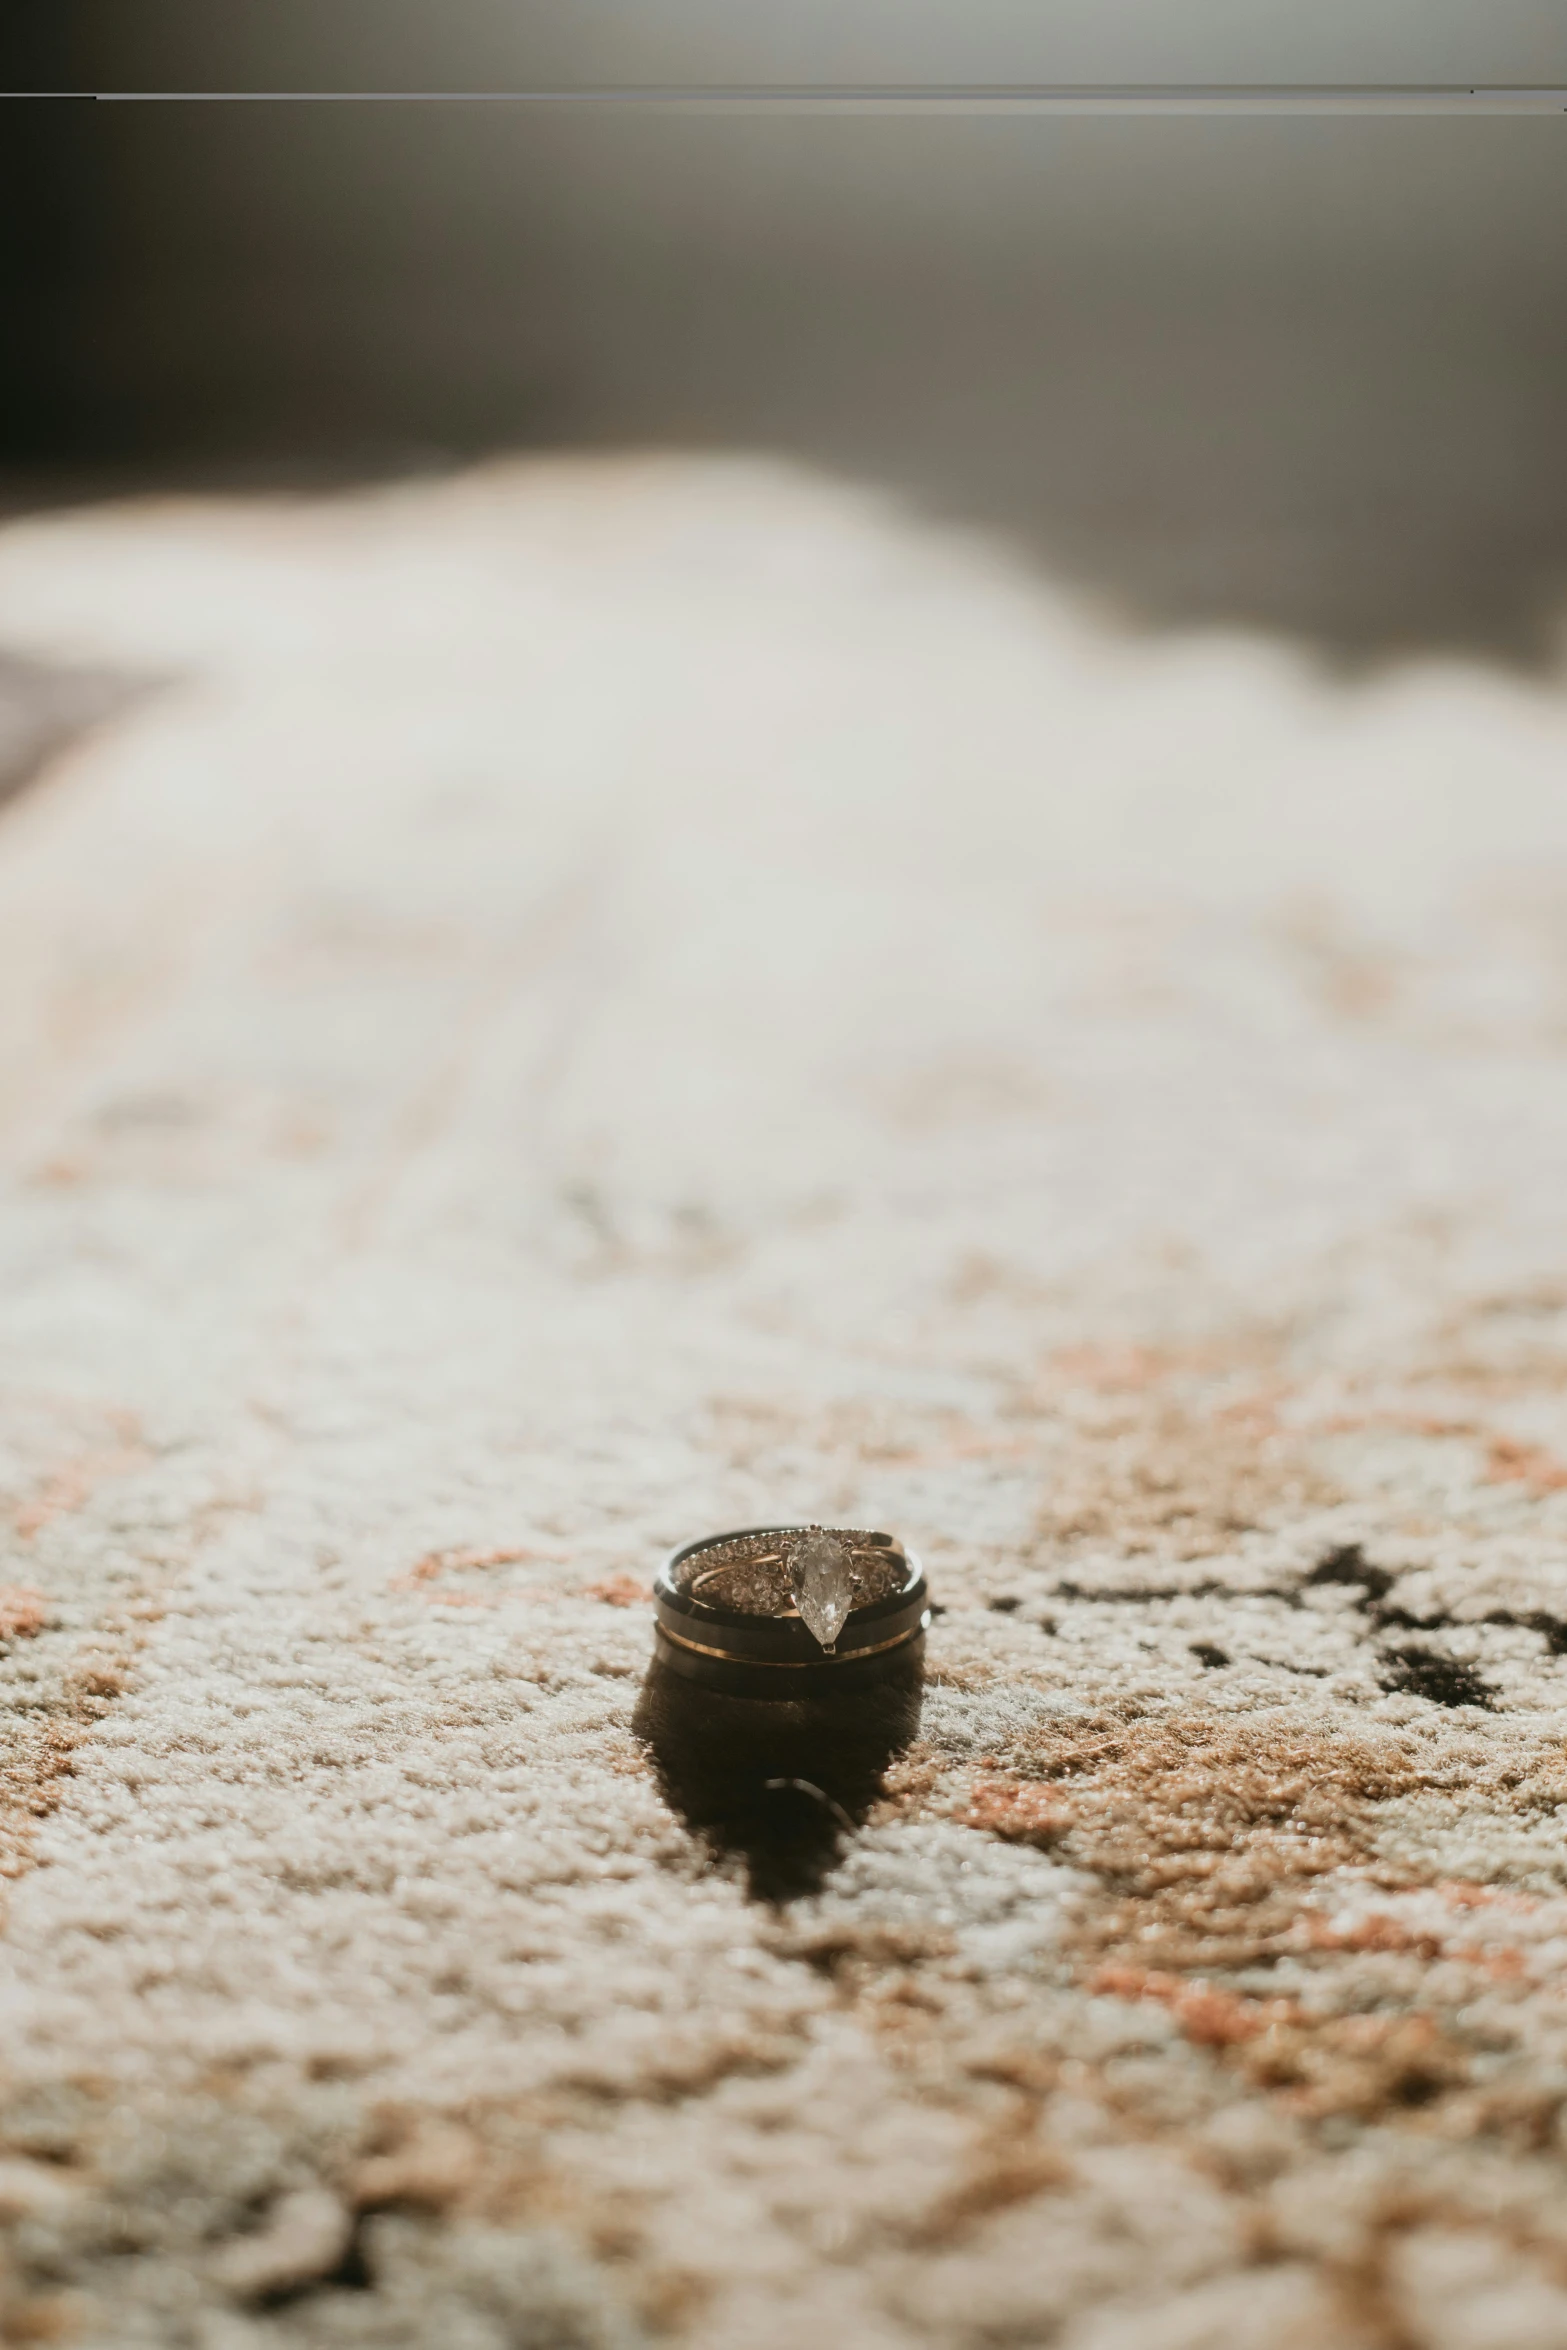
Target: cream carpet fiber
pixel 599 1002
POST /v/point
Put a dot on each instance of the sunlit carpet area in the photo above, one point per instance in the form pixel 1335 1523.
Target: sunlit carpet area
pixel 556 1011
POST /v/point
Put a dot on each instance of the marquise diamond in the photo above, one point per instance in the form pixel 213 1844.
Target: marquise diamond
pixel 822 1581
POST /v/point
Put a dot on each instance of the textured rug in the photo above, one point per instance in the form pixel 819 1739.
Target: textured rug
pixel 598 1002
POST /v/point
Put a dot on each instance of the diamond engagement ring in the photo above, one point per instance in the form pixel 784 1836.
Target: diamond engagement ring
pixel 786 1602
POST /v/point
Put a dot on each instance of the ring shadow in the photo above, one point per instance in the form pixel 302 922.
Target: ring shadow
pixel 777 1784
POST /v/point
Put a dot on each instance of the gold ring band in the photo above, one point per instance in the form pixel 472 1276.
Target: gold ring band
pixel 798 1664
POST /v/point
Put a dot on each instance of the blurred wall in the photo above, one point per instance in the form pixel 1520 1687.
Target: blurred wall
pixel 1309 373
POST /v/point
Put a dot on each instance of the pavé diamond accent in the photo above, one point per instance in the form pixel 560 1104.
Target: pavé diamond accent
pixel 750 1570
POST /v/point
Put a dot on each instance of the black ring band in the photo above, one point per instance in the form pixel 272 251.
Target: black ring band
pixel 702 1639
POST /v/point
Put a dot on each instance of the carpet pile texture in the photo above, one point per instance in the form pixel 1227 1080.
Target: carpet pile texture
pixel 594 1002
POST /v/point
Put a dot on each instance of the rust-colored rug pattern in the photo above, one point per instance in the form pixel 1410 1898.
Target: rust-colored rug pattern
pixel 591 1003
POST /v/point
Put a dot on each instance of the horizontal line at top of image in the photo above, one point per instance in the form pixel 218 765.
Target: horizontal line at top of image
pixel 919 98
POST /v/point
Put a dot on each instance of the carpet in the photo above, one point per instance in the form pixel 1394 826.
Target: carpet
pixel 596 1001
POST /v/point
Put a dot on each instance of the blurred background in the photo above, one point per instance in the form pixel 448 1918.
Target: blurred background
pixel 1303 374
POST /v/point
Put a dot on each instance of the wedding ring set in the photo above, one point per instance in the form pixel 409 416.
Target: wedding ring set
pixel 779 1610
